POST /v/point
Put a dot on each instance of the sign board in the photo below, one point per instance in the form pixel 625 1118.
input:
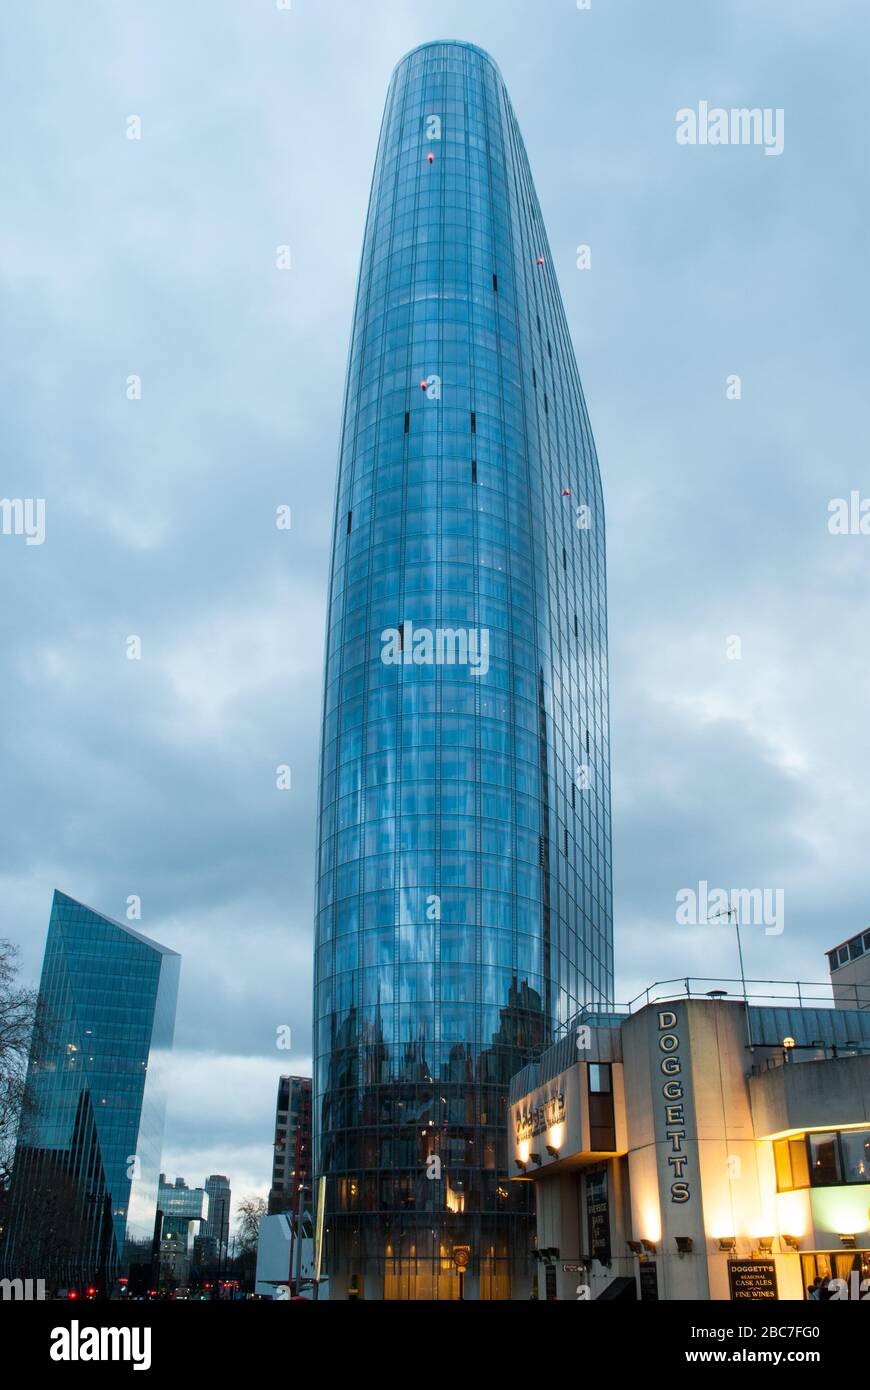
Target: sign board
pixel 649 1281
pixel 598 1214
pixel 754 1280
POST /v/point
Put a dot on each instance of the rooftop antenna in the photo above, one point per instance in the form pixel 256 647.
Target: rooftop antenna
pixel 731 913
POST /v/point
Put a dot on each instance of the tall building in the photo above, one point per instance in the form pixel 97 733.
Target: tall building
pixel 212 1244
pixel 181 1208
pixel 464 872
pixel 291 1164
pixel 849 965
pixel 84 1186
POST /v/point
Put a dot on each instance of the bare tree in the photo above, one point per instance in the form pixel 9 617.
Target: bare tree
pixel 250 1213
pixel 17 1020
pixel 248 1217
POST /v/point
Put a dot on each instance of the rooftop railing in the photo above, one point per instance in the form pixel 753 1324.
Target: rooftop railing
pixel 801 994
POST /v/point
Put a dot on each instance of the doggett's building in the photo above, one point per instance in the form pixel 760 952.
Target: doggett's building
pixel 701 1147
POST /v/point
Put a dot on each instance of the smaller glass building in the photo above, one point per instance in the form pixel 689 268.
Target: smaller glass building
pixel 83 1199
pixel 181 1208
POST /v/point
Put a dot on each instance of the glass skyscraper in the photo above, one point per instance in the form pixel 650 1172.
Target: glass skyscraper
pixel 83 1199
pixel 464 871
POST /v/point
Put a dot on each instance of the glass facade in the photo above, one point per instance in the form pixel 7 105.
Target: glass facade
pixel 464 870
pixel 84 1186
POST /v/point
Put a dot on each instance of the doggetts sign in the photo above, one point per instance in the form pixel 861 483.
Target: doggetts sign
pixel 673 1108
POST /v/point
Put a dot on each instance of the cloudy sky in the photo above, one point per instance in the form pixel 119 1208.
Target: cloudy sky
pixel 156 258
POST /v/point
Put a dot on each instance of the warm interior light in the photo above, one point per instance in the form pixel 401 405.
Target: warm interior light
pixel 651 1221
pixel 791 1210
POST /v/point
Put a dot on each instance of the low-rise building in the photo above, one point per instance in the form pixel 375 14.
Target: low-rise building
pixel 699 1148
pixel 849 964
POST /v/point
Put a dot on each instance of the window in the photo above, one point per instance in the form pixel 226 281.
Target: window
pixel 824 1160
pixel 600 1079
pixel 855 1145
pixel 602 1128
pixel 792 1167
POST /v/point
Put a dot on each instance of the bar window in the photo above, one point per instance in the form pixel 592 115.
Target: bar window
pixel 792 1167
pixel 856 1154
pixel 824 1160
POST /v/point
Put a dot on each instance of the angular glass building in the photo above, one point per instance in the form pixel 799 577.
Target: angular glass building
pixel 464 872
pixel 83 1200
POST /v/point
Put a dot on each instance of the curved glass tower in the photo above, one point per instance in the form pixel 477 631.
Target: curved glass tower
pixel 464 879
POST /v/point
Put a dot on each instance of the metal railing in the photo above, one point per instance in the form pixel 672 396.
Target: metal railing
pixel 782 993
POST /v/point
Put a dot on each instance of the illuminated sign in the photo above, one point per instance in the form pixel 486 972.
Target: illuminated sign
pixel 674 1096
pixel 536 1119
pixel 753 1279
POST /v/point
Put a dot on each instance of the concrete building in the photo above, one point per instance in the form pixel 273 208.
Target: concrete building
pixel 699 1148
pixel 849 964
pixel 291 1165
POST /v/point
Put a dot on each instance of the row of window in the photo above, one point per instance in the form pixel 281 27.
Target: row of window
pixel 853 950
pixel 832 1159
